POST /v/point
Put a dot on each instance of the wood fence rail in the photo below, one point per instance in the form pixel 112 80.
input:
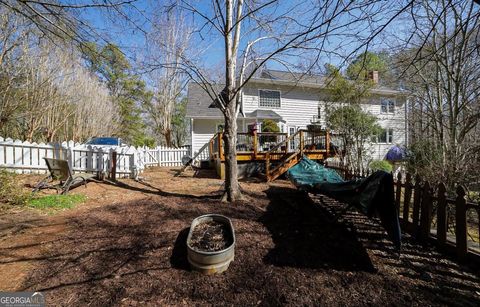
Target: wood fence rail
pixel 430 215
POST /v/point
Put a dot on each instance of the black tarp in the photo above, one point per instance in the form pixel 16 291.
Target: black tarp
pixel 372 196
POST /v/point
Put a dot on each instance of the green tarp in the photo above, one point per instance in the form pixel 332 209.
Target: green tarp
pixel 373 195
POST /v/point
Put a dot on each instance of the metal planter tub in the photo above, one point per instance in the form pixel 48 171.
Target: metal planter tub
pixel 211 262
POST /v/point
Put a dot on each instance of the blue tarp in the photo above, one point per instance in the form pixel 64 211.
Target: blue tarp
pixel 308 173
pixel 372 195
pixel 396 153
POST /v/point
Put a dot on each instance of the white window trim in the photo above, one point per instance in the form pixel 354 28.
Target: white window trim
pixel 266 89
pixel 385 143
pixel 394 106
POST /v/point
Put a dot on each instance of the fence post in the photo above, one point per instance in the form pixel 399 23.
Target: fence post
pixel 70 146
pixel 157 151
pixel 426 212
pixel 135 158
pixel 398 192
pixel 113 166
pixel 441 215
pixel 89 162
pixel 100 166
pixel 416 204
pixel 461 223
pixel 406 199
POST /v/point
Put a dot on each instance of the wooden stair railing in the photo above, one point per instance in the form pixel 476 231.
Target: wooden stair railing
pixel 208 145
pixel 288 159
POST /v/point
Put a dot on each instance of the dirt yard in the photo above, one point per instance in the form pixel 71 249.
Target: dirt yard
pixel 126 246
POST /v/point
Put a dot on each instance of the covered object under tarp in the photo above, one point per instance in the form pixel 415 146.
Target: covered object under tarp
pixel 373 195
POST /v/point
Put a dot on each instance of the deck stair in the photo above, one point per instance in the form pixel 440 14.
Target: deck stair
pixel 195 157
pixel 287 160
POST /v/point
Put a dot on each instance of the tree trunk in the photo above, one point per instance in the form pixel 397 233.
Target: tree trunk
pixel 232 187
pixel 167 134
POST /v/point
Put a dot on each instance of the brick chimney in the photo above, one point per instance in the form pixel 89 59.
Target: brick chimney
pixel 373 75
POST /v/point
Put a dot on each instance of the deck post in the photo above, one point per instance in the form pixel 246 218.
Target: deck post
pixel 255 144
pixel 327 143
pixel 210 149
pixel 267 166
pixel 302 142
pixel 220 146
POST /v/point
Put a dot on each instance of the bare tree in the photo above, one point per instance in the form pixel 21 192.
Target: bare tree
pixel 254 33
pixel 14 34
pixel 169 42
pixel 441 69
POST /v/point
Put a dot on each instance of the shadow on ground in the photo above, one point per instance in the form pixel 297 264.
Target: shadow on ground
pixel 179 259
pixel 305 236
pixel 289 251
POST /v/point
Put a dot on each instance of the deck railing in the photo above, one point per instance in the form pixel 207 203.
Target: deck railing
pixel 255 146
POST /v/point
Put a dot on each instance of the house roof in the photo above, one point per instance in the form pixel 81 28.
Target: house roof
pixel 200 104
pixel 306 80
pixel 279 75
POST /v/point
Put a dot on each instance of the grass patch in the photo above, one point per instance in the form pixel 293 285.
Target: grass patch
pixel 56 201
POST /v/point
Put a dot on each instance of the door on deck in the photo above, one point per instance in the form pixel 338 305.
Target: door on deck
pixel 293 144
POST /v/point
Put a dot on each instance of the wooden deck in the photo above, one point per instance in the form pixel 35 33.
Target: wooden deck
pixel 277 150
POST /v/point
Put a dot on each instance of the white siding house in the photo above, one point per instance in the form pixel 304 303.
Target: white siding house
pixel 294 101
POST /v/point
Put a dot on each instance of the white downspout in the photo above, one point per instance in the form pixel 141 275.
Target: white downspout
pixel 192 135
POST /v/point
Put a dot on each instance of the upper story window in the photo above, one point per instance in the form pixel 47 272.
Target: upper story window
pixel 269 99
pixel 387 106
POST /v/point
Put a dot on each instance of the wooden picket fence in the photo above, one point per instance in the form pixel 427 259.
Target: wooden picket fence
pixel 26 157
pixel 430 215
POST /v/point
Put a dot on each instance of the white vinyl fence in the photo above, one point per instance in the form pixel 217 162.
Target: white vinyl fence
pixel 26 157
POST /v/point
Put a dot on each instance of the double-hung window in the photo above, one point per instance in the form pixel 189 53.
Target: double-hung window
pixel 387 106
pixel 269 99
pixel 385 136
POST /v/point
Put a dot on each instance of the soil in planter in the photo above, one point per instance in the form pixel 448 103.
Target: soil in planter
pixel 211 236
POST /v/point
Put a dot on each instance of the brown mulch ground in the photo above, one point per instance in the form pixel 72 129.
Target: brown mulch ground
pixel 126 246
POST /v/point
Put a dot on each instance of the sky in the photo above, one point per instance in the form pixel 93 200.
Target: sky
pixel 128 29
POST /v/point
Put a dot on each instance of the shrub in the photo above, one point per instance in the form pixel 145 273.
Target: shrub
pixel 269 125
pixel 11 193
pixel 380 165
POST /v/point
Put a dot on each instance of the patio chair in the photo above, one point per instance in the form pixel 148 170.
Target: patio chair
pixel 61 173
